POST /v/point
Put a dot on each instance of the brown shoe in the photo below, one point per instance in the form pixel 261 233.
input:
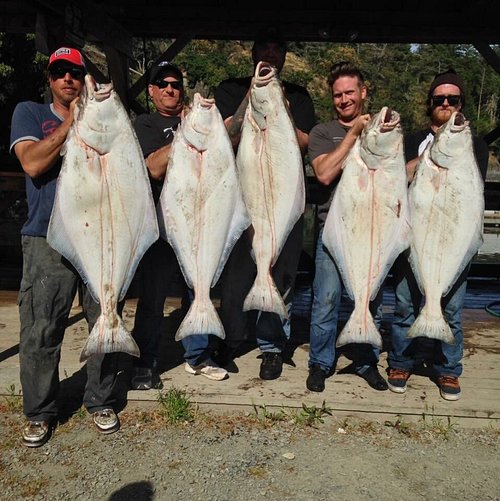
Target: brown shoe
pixel 449 387
pixel 397 380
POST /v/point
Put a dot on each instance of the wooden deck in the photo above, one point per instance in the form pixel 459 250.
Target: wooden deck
pixel 346 394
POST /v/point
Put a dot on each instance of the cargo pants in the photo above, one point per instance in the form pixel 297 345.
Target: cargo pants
pixel 48 286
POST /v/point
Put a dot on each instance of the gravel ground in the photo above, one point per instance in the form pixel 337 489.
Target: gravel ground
pixel 259 455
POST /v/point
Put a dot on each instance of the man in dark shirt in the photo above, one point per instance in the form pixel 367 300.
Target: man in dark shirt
pixel 272 332
pixel 446 96
pixel 159 266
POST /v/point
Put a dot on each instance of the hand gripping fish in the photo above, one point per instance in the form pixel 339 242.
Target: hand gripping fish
pixel 270 167
pixel 367 226
pixel 201 210
pixel 447 208
pixel 104 217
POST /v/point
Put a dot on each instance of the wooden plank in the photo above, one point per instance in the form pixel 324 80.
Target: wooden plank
pixel 346 394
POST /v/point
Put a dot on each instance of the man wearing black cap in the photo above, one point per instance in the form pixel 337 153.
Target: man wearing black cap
pixel 446 95
pixel 272 332
pixel 159 265
pixel 49 282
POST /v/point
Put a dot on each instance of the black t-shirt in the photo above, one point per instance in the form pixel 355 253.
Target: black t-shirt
pixel 153 132
pixel 413 141
pixel 230 93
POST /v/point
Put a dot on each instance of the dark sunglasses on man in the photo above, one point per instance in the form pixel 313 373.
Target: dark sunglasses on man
pixel 60 72
pixel 175 84
pixel 439 99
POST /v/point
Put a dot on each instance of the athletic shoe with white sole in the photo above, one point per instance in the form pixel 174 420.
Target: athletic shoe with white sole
pixel 208 368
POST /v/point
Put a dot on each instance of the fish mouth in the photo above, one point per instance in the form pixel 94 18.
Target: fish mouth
pixel 97 91
pixel 264 73
pixel 389 119
pixel 458 122
pixel 205 102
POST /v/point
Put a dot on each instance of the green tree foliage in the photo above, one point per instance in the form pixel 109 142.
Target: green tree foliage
pixel 22 78
pixel 397 75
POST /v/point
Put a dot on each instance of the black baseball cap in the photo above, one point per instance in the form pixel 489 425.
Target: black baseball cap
pixel 162 69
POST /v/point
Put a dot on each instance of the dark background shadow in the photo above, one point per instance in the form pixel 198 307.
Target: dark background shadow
pixel 137 491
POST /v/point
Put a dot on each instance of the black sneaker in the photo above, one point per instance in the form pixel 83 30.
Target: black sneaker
pixel 144 378
pixel 36 433
pixel 374 379
pixel 271 365
pixel 316 379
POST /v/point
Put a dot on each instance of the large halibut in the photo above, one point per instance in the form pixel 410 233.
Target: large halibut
pixel 367 226
pixel 447 208
pixel 272 179
pixel 104 217
pixel 201 210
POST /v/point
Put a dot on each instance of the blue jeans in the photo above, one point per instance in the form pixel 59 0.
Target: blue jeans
pixel 159 268
pixel 46 294
pixel 406 353
pixel 327 292
pixel 271 331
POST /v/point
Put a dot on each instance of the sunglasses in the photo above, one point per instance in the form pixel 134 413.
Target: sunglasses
pixel 438 100
pixel 60 72
pixel 175 84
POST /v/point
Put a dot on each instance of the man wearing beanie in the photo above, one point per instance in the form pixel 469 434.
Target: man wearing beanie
pixel 446 95
pixel 49 282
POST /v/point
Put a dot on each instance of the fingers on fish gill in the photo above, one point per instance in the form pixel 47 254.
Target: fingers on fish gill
pixel 431 326
pixel 201 318
pixel 109 337
pixel 265 296
pixel 360 328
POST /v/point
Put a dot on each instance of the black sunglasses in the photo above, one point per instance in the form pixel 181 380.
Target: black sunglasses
pixel 60 72
pixel 453 100
pixel 162 84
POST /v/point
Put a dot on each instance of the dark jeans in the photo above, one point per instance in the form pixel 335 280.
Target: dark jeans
pixel 48 286
pixel 158 270
pixel 271 330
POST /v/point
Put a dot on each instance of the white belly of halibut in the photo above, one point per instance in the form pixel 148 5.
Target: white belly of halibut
pixel 104 217
pixel 367 225
pixel 447 208
pixel 270 167
pixel 201 211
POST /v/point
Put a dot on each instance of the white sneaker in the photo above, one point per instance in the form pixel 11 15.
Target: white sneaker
pixel 208 368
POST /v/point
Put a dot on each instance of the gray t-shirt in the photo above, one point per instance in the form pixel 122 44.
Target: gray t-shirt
pixel 323 139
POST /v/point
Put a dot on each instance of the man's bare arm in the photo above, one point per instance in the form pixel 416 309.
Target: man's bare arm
pixel 37 157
